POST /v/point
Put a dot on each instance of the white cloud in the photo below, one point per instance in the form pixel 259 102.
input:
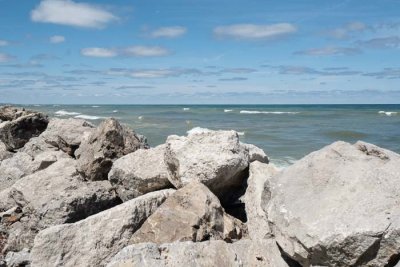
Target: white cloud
pixel 98 52
pixel 67 12
pixel 347 30
pixel 5 58
pixel 253 31
pixel 56 39
pixel 4 43
pixel 145 51
pixel 168 32
pixel 329 51
pixel 152 73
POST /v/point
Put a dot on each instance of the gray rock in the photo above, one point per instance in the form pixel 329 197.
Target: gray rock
pixel 52 196
pixel 338 206
pixel 107 143
pixel 22 164
pixel 263 253
pixel 66 134
pixel 256 197
pixel 193 213
pixel 4 154
pixel 140 172
pixel 215 158
pixel 18 259
pixel 256 153
pixel 93 241
pixel 19 126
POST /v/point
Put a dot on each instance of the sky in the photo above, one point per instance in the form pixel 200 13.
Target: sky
pixel 199 51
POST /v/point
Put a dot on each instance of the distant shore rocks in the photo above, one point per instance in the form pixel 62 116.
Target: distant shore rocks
pixel 72 194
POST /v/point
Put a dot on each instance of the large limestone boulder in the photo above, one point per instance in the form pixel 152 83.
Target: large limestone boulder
pixel 338 206
pixel 215 158
pixel 22 164
pixel 107 143
pixel 52 196
pixel 256 197
pixel 193 213
pixel 93 241
pixel 263 253
pixel 67 134
pixel 19 126
pixel 140 172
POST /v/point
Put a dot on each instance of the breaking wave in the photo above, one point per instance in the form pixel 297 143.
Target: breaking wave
pixel 388 113
pixel 267 112
pixel 66 113
pixel 88 117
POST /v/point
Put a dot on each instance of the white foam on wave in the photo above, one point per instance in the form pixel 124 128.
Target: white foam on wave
pixel 115 111
pixel 186 109
pixel 267 112
pixel 95 106
pixel 88 117
pixel 240 133
pixel 388 113
pixel 284 162
pixel 140 117
pixel 66 113
pixel 198 130
pixel 228 110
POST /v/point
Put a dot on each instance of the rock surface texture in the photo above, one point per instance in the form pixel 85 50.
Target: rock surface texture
pixel 101 148
pixel 215 158
pixel 338 206
pixel 140 172
pixel 93 241
pixel 210 253
pixel 193 213
pixel 19 125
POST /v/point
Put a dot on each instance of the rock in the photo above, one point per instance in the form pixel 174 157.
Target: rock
pixel 214 158
pixel 263 253
pixel 107 143
pixel 52 196
pixel 338 206
pixel 140 172
pixel 93 241
pixel 19 126
pixel 4 154
pixel 193 213
pixel 22 164
pixel 256 153
pixel 256 197
pixel 17 259
pixel 37 145
pixel 66 134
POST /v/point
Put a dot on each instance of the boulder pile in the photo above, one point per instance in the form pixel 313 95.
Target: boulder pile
pixel 73 194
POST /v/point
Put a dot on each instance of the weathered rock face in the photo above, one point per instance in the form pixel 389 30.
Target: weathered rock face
pixel 338 207
pixel 140 172
pixel 193 213
pixel 93 241
pixel 107 143
pixel 19 126
pixel 67 134
pixel 256 196
pixel 4 154
pixel 22 164
pixel 52 196
pixel 263 253
pixel 17 259
pixel 215 158
pixel 256 153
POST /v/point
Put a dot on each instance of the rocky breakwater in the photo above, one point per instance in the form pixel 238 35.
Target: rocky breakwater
pixel 78 195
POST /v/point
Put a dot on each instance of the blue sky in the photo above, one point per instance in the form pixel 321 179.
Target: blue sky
pixel 199 51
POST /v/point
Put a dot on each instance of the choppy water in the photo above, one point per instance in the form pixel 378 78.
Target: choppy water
pixel 285 132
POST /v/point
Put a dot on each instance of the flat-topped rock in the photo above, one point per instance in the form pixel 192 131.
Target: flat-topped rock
pixel 215 158
pixel 93 241
pixel 338 206
pixel 140 172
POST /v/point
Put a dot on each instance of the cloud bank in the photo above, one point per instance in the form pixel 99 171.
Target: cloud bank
pixel 254 31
